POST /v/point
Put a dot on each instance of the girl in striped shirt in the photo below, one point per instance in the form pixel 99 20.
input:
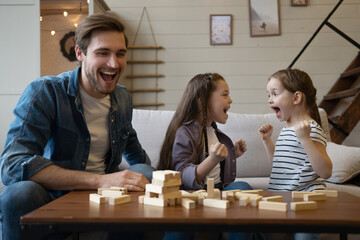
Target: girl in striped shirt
pixel 299 158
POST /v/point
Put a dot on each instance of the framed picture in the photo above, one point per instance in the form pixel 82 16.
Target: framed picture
pixel 299 2
pixel 221 29
pixel 264 18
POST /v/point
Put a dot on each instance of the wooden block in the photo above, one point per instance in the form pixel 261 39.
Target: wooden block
pixel 254 191
pixel 199 191
pixel 160 189
pixel 166 175
pixel 315 197
pixel 151 195
pixel 155 202
pixel 210 182
pixel 254 201
pixel 175 174
pixel 273 199
pixel 201 197
pixel 244 201
pixel 170 195
pixel 217 193
pixel 188 203
pixel 141 199
pixel 298 206
pixel 168 183
pixel 216 203
pixel 99 190
pixel 97 198
pixel 192 196
pixel 241 194
pixel 328 193
pixel 119 200
pixel 171 202
pixel 299 194
pixel 121 189
pixel 273 206
pixel 110 193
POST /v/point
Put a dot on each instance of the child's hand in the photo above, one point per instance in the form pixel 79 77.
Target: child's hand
pixel 266 131
pixel 303 129
pixel 240 148
pixel 218 152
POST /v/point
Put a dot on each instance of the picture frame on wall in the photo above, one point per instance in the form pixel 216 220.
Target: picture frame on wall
pixel 221 29
pixel 299 2
pixel 264 18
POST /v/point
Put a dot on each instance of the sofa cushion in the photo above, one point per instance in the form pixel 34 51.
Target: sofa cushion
pixel 346 162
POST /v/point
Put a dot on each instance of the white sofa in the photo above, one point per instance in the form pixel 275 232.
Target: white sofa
pixel 253 167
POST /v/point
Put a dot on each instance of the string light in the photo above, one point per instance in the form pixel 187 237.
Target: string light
pixel 65 14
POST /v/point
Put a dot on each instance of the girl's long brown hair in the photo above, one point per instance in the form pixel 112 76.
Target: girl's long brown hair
pixel 192 106
pixel 296 80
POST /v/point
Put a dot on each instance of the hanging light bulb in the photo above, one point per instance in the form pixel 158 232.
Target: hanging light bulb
pixel 65 13
pixel 40 18
pixel 52 33
pixel 75 24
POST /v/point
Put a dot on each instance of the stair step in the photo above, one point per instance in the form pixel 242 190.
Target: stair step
pixel 148 105
pixel 145 76
pixel 342 94
pixel 333 118
pixel 147 90
pixel 347 121
pixel 352 72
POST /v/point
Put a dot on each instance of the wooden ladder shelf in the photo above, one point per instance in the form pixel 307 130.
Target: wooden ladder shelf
pixel 132 76
pixel 344 97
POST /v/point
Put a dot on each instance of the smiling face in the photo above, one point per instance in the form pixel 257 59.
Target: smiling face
pixel 103 63
pixel 280 100
pixel 219 103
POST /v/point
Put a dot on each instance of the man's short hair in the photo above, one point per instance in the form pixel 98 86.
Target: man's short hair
pixel 96 22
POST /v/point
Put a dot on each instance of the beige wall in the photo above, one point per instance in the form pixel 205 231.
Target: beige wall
pixel 182 28
pixel 53 61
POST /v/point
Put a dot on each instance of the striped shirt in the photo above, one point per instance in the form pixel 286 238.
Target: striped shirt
pixel 292 170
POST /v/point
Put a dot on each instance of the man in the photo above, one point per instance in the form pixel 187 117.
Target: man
pixel 71 130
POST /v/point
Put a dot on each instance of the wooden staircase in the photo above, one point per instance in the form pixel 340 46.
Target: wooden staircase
pixel 344 97
pixel 342 103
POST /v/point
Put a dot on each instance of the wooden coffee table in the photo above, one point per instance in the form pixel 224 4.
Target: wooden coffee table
pixel 75 213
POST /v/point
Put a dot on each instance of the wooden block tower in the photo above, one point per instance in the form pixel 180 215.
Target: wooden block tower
pixel 164 189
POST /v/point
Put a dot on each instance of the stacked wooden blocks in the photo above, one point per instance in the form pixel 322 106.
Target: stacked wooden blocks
pixel 112 196
pixel 163 190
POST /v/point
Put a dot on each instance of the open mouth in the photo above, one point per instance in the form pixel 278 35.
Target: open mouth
pixel 108 75
pixel 225 110
pixel 276 110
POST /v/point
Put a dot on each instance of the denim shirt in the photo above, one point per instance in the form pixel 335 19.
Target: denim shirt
pixel 185 140
pixel 49 128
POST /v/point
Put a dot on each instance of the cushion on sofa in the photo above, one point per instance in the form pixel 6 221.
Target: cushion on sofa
pixel 346 162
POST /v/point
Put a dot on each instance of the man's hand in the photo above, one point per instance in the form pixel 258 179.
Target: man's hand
pixel 303 129
pixel 133 181
pixel 266 131
pixel 218 152
pixel 240 148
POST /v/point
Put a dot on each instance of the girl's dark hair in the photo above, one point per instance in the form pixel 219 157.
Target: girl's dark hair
pixel 296 80
pixel 193 106
pixel 96 22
